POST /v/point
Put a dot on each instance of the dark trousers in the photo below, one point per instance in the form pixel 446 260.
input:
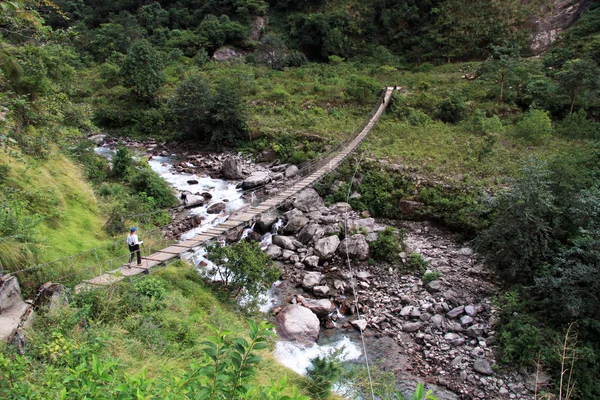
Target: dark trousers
pixel 135 249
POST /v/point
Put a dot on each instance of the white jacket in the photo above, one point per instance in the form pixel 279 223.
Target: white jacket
pixel 132 240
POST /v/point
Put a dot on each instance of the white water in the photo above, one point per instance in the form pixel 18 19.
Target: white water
pixel 298 358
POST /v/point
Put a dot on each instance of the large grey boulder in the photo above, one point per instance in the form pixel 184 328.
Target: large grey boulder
pixel 311 261
pixel 258 178
pixel 320 307
pixel 295 224
pixel 265 222
pixel 216 208
pixel 325 248
pixel 232 168
pixel 291 171
pixel 310 232
pixel 341 207
pixel 226 54
pixel 355 246
pixel 308 200
pixel 274 251
pixel 298 324
pixel 285 242
pixel 311 279
pixel 483 367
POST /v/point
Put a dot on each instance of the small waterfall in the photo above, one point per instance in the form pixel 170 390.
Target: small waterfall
pixel 267 238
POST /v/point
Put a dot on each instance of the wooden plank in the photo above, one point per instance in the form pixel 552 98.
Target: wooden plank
pixel 160 256
pixel 173 250
pixel 190 243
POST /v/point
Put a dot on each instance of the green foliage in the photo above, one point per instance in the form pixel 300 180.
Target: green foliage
pixel 96 168
pixel 431 276
pixel 122 163
pixel 228 115
pixel 418 263
pixel 501 66
pixel 519 238
pixel 362 89
pixel 580 80
pixel 322 374
pixel 452 109
pixel 151 287
pixel 535 127
pixel 142 70
pixel 153 186
pixel 578 126
pixel 243 265
pixel 388 244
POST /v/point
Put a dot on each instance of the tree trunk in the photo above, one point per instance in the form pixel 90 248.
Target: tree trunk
pixel 501 99
pixel 572 103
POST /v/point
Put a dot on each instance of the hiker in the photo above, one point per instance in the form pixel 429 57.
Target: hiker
pixel 184 198
pixel 134 246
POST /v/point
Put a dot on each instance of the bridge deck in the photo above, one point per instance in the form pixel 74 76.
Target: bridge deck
pixel 245 217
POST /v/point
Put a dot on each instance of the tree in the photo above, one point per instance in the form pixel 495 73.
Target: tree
pixel 142 70
pixel 122 163
pixel 501 65
pixel 227 115
pixel 452 109
pixel 535 126
pixel 272 51
pixel 191 106
pixel 580 79
pixel 243 265
pixel 520 237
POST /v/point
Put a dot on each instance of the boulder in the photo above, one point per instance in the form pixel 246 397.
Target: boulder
pixel 358 225
pixel 434 286
pixel 320 307
pixel 341 207
pixel 355 246
pixel 216 208
pixel 312 231
pixel 476 330
pixel 483 367
pixel 438 320
pixel 470 310
pixel 192 182
pixel 359 324
pixel 331 230
pixel 294 224
pixel 285 242
pixel 287 254
pixel 258 178
pixel 325 247
pixel 291 171
pixel 466 320
pixel 311 261
pixel 273 251
pixel 265 222
pixel 455 312
pixel 412 326
pixel 308 200
pixel 311 279
pixel 298 324
pixel 408 207
pixel 321 290
pixel 454 339
pixel 232 168
pixel 226 54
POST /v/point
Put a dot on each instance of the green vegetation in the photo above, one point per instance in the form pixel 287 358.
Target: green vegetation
pixel 388 245
pixel 418 263
pixel 322 374
pixel 431 276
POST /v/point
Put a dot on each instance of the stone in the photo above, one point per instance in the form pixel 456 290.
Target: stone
pixel 311 279
pixel 355 246
pixel 295 224
pixel 287 255
pixel 359 324
pixel 412 326
pixel 405 312
pixel 285 242
pixel 308 200
pixel 216 208
pixel 341 208
pixel 454 339
pixel 321 290
pixel 466 320
pixel 258 178
pixel 258 27
pixel 355 225
pixel 226 54
pixel 476 330
pixel 320 307
pixel 483 367
pixel 291 171
pixel 312 231
pixel 408 207
pixel 339 285
pixel 192 182
pixel 325 247
pixel 434 286
pixel 311 261
pixel 265 222
pixel 455 312
pixel 438 320
pixel 465 251
pixel 364 275
pixel 329 230
pixel 470 310
pixel 298 324
pixel 232 168
pixel 273 251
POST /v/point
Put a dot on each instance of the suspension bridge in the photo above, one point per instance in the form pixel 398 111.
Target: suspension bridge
pixel 308 176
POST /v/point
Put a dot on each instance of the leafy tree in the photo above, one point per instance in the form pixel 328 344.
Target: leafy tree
pixel 322 374
pixel 227 114
pixel 122 163
pixel 520 239
pixel 452 109
pixel 501 65
pixel 152 16
pixel 272 51
pixel 191 105
pixel 580 79
pixel 535 126
pixel 243 266
pixel 578 125
pixel 142 70
pixel 149 182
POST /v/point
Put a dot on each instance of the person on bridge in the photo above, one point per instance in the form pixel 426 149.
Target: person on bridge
pixel 134 246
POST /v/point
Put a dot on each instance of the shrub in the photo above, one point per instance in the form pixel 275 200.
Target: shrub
pixel 535 126
pixel 452 110
pixel 147 181
pixel 418 262
pixel 295 59
pixel 479 124
pixel 578 126
pixel 417 118
pixel 431 276
pixel 322 374
pixel 151 287
pixel 362 89
pixel 388 244
pixel 122 163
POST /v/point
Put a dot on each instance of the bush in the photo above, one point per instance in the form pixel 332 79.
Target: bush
pixel 122 163
pixel 322 374
pixel 578 126
pixel 388 244
pixel 431 276
pixel 295 59
pixel 479 124
pixel 535 126
pixel 452 110
pixel 418 262
pixel 147 181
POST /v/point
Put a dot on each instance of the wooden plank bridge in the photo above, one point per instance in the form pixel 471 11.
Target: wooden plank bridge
pixel 246 217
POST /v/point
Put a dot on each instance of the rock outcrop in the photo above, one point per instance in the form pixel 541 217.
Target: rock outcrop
pixel 297 324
